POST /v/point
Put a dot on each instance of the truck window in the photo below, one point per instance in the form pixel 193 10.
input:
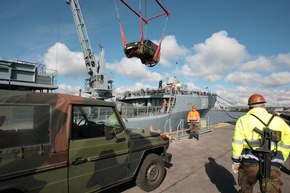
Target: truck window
pixel 23 125
pixel 90 121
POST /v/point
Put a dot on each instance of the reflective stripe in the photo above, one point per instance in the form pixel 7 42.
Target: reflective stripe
pixel 257 143
pixel 238 141
pixel 278 161
pixel 284 146
pixel 235 157
pixel 249 156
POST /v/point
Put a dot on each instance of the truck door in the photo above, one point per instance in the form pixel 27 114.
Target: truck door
pixel 94 161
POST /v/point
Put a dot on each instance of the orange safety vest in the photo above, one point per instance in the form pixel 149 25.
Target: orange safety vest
pixel 164 103
pixel 193 116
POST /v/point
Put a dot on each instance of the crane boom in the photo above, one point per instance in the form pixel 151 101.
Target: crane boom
pixel 98 85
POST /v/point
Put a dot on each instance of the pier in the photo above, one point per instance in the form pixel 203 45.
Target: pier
pixel 202 166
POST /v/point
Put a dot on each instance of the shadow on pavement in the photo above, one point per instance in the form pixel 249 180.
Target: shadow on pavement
pixel 220 177
pixel 130 184
pixel 121 188
pixel 285 170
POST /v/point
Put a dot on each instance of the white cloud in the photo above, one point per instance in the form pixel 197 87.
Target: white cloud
pixel 257 80
pixel 136 87
pixel 62 88
pixel 240 95
pixel 171 51
pixel 216 56
pixel 66 62
pixel 277 79
pixel 192 86
pixel 260 64
pixel 284 59
pixel 243 78
pixel 134 69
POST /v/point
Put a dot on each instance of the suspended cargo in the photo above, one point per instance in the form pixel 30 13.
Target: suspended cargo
pixel 147 51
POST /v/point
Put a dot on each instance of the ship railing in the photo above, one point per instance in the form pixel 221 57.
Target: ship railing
pixel 181 132
pixel 205 126
pixel 180 127
pixel 142 111
pixel 164 91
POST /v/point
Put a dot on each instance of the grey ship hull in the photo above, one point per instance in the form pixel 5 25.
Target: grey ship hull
pixel 171 120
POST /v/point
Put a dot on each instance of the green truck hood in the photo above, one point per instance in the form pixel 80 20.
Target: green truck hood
pixel 141 140
pixel 141 133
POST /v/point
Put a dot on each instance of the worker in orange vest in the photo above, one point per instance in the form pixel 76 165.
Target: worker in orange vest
pixel 193 119
pixel 164 105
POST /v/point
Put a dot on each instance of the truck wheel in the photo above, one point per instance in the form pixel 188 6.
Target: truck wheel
pixel 151 173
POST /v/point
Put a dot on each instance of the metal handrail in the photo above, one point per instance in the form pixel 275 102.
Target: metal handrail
pixel 168 121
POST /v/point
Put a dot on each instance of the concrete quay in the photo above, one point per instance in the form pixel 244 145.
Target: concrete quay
pixel 202 166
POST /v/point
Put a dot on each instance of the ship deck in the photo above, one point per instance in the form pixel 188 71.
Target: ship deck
pixel 192 171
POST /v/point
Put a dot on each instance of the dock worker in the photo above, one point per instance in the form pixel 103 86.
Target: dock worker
pixel 246 140
pixel 164 104
pixel 193 119
pixel 178 85
pixel 172 88
pixel 160 84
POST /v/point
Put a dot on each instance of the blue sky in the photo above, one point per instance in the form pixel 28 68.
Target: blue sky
pixel 233 47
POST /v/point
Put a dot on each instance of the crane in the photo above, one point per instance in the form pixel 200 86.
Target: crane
pixel 98 83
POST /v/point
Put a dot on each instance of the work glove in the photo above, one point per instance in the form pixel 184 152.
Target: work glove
pixel 235 167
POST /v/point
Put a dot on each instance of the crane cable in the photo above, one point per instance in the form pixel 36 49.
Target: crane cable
pixel 236 118
pixel 124 41
pixel 226 100
pixel 157 53
pixel 141 24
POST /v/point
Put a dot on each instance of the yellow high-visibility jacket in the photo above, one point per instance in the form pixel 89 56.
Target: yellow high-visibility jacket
pixel 244 131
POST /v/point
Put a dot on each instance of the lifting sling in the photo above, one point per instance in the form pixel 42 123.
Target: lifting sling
pixel 148 52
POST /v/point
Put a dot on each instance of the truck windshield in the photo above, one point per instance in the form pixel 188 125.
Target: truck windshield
pixel 90 121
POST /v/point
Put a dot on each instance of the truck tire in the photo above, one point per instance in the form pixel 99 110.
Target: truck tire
pixel 151 173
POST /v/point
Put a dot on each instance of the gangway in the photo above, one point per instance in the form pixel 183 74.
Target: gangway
pixel 181 132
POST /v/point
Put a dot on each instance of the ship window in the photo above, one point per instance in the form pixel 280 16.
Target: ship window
pixel 91 121
pixel 23 125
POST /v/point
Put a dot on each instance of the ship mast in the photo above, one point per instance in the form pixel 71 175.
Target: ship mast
pixel 98 83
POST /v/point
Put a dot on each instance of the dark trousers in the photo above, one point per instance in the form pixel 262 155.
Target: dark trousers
pixel 249 175
pixel 194 129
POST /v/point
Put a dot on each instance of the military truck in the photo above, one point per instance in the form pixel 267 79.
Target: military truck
pixel 64 143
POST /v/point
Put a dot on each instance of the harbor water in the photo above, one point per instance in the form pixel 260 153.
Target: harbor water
pixel 215 117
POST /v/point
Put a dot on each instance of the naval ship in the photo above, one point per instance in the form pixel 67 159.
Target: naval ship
pixel 144 109
pixel 141 109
